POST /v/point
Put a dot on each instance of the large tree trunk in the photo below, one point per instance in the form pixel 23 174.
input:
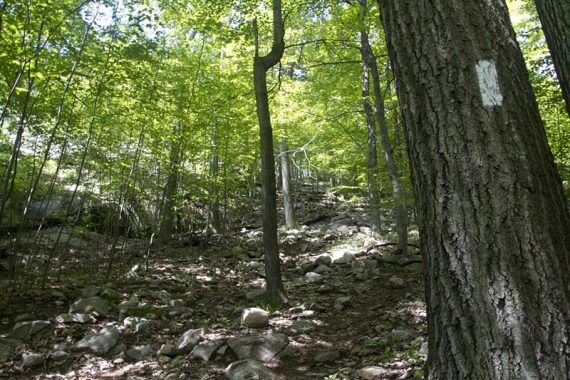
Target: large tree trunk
pixel 275 289
pixel 286 185
pixel 555 18
pixel 494 223
pixel 170 190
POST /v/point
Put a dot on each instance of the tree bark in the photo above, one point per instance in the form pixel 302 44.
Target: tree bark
pixel 169 194
pixel 286 185
pixel 555 19
pixel 493 219
pixel 261 64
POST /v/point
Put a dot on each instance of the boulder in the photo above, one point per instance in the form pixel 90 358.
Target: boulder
pixel 137 324
pixel 139 353
pixel 91 305
pixel 249 369
pixel 373 372
pixel 188 340
pixel 58 357
pixel 31 360
pixel 255 317
pixel 206 350
pixel 259 347
pixel 101 342
pixel 167 350
pixel 31 329
pixel 75 318
pixel 313 278
pixel 343 256
pixel 302 326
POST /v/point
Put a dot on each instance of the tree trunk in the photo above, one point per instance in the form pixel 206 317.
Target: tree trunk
pixel 555 19
pixel 275 289
pixel 169 194
pixel 286 185
pixel 400 209
pixel 373 201
pixel 494 223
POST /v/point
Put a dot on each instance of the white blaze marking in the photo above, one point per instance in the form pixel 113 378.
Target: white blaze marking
pixel 489 83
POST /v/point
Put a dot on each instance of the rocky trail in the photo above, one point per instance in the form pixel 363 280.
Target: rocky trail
pixel 196 313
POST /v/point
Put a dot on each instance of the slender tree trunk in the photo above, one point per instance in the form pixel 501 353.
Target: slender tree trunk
pixel 169 194
pixel 493 219
pixel 286 185
pixel 555 19
pixel 372 156
pixel 400 208
pixel 274 283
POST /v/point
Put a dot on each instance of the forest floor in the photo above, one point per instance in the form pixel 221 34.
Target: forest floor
pixel 357 318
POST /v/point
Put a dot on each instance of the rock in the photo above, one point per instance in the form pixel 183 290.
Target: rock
pixel 322 269
pixel 75 318
pixel 31 359
pixel 397 282
pixel 110 294
pixel 91 305
pixel 59 357
pixel 302 326
pixel 173 376
pixel 101 342
pixel 323 260
pixel 177 303
pixel 343 256
pixel 188 340
pixel 137 324
pixel 342 302
pixel 396 336
pixel 260 347
pixel 58 296
pixel 117 349
pixel 139 353
pixel 8 347
pixel 128 305
pixel 254 294
pixel 373 372
pixel 327 356
pixel 313 278
pixel 249 369
pixel 24 317
pixel 424 348
pixel 255 317
pixel 31 329
pixel 167 350
pixel 161 295
pixel 205 351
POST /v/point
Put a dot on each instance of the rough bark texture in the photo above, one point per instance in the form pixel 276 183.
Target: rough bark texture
pixel 555 18
pixel 493 220
pixel 286 185
pixel 261 64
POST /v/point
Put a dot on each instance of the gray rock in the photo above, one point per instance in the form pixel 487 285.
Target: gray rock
pixel 128 305
pixel 101 342
pixel 424 348
pixel 260 347
pixel 254 294
pixel 138 325
pixel 167 350
pixel 31 329
pixel 31 359
pixel 177 303
pixel 323 260
pixel 373 372
pixel 110 294
pixel 89 292
pixel 322 269
pixel 188 340
pixel 249 369
pixel 313 278
pixel 173 376
pixel 139 353
pixel 255 317
pixel 343 256
pixel 396 336
pixel 24 317
pixel 206 350
pixel 59 357
pixel 397 282
pixel 161 295
pixel 8 347
pixel 91 305
pixel 75 318
pixel 327 356
pixel 342 302
pixel 117 349
pixel 58 296
pixel 302 326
